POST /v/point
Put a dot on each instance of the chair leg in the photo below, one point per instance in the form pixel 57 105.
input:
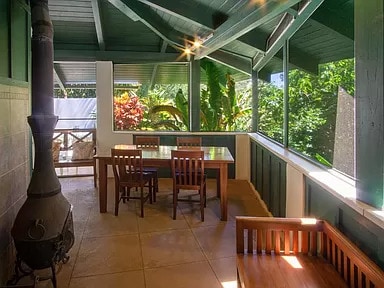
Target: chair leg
pixel 142 202
pixel 202 204
pixel 155 185
pixel 94 174
pixel 117 200
pixel 175 191
pixel 150 191
pixel 205 195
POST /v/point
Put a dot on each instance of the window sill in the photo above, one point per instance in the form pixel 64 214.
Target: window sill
pixel 335 183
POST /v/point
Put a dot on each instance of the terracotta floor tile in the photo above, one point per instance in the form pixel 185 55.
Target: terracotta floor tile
pixel 169 248
pixel 191 275
pixel 217 241
pixel 225 270
pixel 134 279
pixel 103 255
pixel 154 251
pixel 107 224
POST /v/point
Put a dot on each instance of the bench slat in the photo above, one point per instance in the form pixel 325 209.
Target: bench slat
pixel 347 266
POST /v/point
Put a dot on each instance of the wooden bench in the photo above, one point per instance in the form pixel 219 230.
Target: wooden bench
pixel 68 138
pixel 290 252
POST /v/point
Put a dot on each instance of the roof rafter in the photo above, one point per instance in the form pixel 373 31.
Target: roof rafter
pixel 150 19
pixel 242 22
pixel 184 9
pixel 241 64
pixel 286 32
pixel 98 25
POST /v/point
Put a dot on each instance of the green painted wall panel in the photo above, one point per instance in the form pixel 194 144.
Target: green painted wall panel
pixel 269 178
pixel 4 39
pixel 364 233
pixel 253 167
pixel 19 42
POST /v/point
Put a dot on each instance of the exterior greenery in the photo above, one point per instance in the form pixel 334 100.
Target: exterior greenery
pixel 226 106
pixel 312 108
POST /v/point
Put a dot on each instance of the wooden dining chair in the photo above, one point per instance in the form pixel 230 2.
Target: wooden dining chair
pixel 150 142
pixel 188 173
pixel 128 173
pixel 183 142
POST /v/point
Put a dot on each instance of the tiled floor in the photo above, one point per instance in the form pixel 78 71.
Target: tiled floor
pixel 154 251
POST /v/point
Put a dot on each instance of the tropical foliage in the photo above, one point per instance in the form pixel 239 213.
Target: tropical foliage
pixel 128 111
pixel 312 108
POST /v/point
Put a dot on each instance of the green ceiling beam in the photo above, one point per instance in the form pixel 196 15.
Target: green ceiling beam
pixel 125 9
pixel 149 18
pixel 241 64
pixel 242 22
pixel 289 29
pixel 98 26
pixel 187 10
pixel 125 57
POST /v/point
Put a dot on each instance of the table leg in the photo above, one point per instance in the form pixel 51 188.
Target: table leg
pixel 102 185
pixel 218 192
pixel 223 190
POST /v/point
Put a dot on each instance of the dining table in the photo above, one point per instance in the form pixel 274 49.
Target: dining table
pixel 214 158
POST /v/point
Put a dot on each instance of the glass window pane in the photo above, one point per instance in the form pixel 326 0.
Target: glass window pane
pixel 225 98
pixel 151 97
pixel 271 95
pixel 321 114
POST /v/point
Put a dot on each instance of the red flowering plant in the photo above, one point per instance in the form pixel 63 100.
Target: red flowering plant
pixel 128 111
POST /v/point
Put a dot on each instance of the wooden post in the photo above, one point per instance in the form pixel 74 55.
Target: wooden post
pixel 369 101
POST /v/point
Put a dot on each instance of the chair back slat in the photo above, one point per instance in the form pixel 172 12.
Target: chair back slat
pixel 147 142
pixel 128 166
pixel 188 168
pixel 183 142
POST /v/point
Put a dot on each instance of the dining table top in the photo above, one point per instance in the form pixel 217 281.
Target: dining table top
pixel 211 153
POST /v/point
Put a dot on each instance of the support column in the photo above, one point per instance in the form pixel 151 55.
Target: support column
pixel 194 93
pixel 369 103
pixel 255 100
pixel 104 95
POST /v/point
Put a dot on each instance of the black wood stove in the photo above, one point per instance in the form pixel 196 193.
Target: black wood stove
pixel 43 229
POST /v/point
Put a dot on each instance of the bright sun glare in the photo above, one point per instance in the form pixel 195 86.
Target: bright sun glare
pixel 293 261
pixel 229 284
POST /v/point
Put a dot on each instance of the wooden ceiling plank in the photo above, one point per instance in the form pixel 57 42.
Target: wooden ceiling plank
pixel 98 24
pixel 303 15
pixel 242 22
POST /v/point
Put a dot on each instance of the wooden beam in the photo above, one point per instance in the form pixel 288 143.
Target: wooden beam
pixel 125 9
pixel 242 22
pixel 288 31
pixel 154 71
pixel 125 57
pixel 241 64
pixel 59 81
pixel 187 10
pixel 150 19
pixel 98 26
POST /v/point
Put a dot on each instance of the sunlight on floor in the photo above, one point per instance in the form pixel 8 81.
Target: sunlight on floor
pixel 293 261
pixel 229 284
